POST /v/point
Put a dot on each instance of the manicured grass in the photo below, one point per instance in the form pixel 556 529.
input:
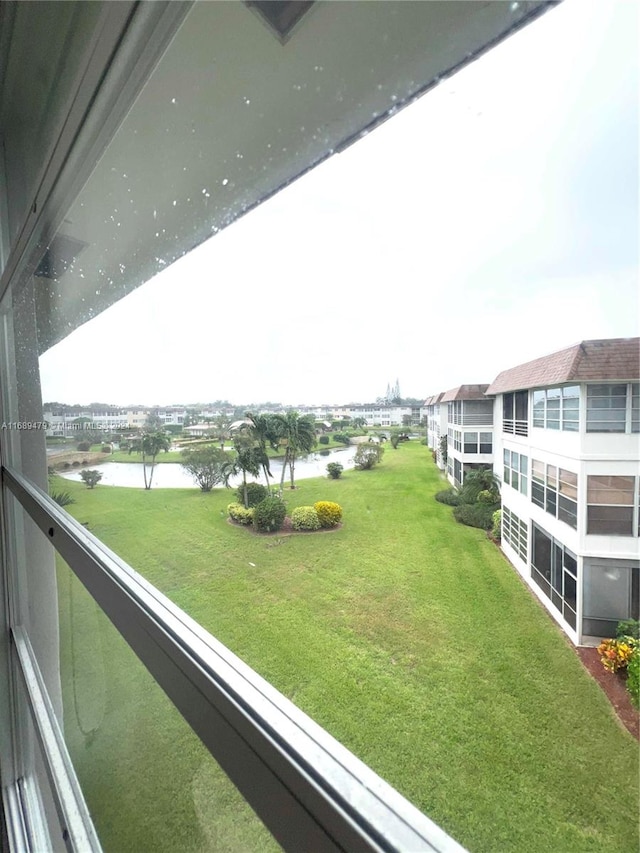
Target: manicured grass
pixel 406 635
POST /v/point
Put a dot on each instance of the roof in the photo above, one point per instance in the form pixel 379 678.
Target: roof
pixel 433 399
pixel 600 360
pixel 465 392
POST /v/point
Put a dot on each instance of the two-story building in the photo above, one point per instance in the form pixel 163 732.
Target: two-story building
pixel 567 451
pixel 469 413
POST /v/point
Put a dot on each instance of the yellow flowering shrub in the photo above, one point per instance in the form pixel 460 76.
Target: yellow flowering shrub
pixel 616 654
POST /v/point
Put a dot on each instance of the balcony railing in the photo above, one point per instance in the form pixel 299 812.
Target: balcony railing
pixel 515 427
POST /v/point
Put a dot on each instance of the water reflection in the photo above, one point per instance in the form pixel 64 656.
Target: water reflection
pixel 169 475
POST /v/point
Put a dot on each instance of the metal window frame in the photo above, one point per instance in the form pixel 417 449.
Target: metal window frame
pixel 308 789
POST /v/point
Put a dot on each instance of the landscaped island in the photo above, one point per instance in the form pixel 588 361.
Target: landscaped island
pixel 408 636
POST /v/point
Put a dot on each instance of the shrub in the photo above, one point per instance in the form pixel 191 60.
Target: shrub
pixel 239 514
pixel 633 677
pixel 367 455
pixel 629 628
pixel 256 493
pixel 62 498
pixel 305 518
pixel 83 446
pixel 486 497
pixel 496 530
pixel 324 439
pixel 91 478
pixel 341 438
pixel 329 513
pixel 448 497
pixel 474 515
pixel 324 452
pixel 334 470
pixel 615 654
pixel 106 448
pixel 269 514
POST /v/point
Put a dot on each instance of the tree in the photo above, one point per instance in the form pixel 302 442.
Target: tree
pixel 406 420
pixel 91 477
pixel 264 430
pixel 151 443
pixel 395 439
pixel 367 455
pixel 154 422
pixel 359 423
pixel 443 449
pixel 297 434
pixel 220 429
pixel 206 465
pixel 247 460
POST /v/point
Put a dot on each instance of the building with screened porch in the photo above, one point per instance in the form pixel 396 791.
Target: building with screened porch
pixel 567 452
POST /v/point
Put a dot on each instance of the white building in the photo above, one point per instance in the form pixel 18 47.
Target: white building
pixel 567 451
pixel 436 415
pixel 381 415
pixel 469 413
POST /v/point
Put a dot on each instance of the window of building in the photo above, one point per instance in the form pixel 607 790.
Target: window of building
pixel 613 407
pixel 516 533
pixel 516 471
pixel 556 491
pixel 555 570
pixel 457 472
pixel 557 408
pixel 612 505
pixel 478 442
pixel 515 413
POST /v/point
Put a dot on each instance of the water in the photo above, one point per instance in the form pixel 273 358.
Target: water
pixel 169 475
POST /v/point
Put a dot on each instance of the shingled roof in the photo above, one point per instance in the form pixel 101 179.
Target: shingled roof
pixel 465 392
pixel 433 399
pixel 602 360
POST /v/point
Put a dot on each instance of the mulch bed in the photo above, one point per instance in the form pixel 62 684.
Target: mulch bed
pixel 613 685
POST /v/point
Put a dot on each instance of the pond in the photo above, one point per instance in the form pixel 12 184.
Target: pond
pixel 173 476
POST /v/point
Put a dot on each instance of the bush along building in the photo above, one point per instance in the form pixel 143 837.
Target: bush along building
pixel 567 444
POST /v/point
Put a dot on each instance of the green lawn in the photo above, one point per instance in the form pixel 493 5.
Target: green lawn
pixel 407 636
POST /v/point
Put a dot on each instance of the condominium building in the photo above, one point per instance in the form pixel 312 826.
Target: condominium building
pixel 469 413
pixel 436 415
pixel 567 451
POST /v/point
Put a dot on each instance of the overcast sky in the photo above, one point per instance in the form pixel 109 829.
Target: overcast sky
pixel 494 221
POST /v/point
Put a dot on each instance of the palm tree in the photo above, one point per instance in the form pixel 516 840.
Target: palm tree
pixel 297 434
pixel 151 443
pixel 264 431
pixel 246 461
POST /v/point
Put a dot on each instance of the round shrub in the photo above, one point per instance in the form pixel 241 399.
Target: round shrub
pixel 486 497
pixel 334 470
pixel 239 514
pixel 448 497
pixel 305 518
pixel 83 446
pixel 324 439
pixel 256 492
pixel 269 514
pixel 329 513
pixel 106 448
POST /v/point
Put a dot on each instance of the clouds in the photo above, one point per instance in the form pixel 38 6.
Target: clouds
pixel 493 221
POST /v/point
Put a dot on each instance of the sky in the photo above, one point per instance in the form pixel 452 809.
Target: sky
pixel 493 221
